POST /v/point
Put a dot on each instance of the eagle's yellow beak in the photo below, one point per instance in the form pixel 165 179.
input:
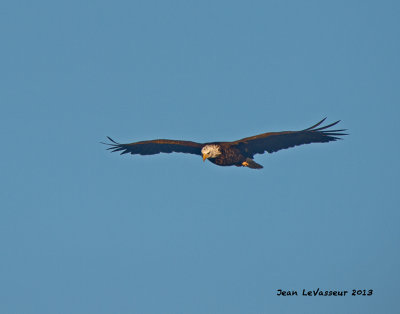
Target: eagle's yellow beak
pixel 205 156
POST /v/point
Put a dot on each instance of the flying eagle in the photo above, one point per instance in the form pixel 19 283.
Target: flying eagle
pixel 238 153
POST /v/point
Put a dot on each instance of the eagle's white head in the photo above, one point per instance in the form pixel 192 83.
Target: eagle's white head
pixel 210 151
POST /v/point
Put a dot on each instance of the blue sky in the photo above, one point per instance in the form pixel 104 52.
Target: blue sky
pixel 86 231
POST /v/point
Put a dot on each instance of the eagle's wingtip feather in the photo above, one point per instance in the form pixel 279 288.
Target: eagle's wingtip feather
pixel 112 140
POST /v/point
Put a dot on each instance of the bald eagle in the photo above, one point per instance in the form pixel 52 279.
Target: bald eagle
pixel 238 153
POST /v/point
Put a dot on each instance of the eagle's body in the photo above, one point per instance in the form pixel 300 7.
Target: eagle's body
pixel 230 156
pixel 238 153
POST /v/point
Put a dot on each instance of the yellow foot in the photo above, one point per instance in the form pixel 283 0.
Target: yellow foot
pixel 245 164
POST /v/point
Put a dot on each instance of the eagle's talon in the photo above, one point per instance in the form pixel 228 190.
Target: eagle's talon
pixel 245 164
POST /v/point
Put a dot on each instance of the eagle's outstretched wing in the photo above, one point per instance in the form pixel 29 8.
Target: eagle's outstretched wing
pixel 156 147
pixel 274 141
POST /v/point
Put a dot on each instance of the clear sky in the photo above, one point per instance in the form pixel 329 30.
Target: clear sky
pixel 86 231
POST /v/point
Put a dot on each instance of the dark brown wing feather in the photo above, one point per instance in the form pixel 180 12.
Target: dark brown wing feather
pixel 274 141
pixel 155 147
